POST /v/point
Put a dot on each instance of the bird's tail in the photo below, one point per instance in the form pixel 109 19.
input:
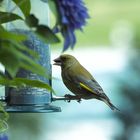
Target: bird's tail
pixel 113 107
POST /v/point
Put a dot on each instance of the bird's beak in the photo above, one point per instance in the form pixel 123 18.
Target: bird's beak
pixel 57 61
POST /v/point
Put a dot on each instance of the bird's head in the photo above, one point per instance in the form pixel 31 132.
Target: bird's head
pixel 65 60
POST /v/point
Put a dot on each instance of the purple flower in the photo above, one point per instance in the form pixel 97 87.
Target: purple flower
pixel 3 137
pixel 73 15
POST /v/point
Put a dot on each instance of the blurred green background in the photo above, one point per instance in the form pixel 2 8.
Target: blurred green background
pixel 109 47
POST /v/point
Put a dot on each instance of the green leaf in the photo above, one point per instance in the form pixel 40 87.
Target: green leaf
pixel 45 33
pixel 28 63
pixel 1 3
pixel 54 9
pixel 8 17
pixel 14 59
pixel 22 47
pixel 31 21
pixel 6 35
pixel 24 82
pixel 14 55
pixel 33 67
pixel 24 5
pixel 9 59
pixel 3 118
pixel 32 83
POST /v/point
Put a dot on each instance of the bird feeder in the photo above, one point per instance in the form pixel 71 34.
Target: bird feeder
pixel 30 99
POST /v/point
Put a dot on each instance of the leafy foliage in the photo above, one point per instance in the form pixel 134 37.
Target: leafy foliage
pixel 6 35
pixel 23 82
pixel 3 118
pixel 31 21
pixel 46 34
pixel 11 46
pixel 11 43
pixel 24 5
pixel 43 31
pixel 8 17
pixel 14 55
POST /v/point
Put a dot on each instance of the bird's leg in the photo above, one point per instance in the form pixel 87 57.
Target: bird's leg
pixel 72 97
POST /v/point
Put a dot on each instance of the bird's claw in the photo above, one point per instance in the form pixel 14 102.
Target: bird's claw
pixel 68 97
pixel 79 100
pixel 71 97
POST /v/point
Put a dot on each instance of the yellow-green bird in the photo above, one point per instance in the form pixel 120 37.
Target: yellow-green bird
pixel 79 81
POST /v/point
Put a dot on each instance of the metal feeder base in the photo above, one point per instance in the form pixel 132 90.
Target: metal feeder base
pixel 29 103
pixel 32 109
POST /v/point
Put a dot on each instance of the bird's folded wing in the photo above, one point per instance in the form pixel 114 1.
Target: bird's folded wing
pixel 91 85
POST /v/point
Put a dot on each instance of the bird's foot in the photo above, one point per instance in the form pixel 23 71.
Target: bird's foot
pixel 79 100
pixel 68 97
pixel 72 97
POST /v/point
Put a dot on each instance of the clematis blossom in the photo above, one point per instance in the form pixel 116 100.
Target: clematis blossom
pixel 73 16
pixel 3 137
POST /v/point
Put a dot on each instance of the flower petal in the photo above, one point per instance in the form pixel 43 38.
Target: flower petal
pixel 73 16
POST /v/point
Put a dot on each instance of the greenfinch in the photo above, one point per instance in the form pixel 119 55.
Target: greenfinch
pixel 79 81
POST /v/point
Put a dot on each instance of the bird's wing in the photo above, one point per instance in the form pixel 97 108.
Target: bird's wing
pixel 84 81
pixel 92 86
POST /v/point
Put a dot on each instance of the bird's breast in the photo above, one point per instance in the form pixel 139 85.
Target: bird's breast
pixel 70 83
